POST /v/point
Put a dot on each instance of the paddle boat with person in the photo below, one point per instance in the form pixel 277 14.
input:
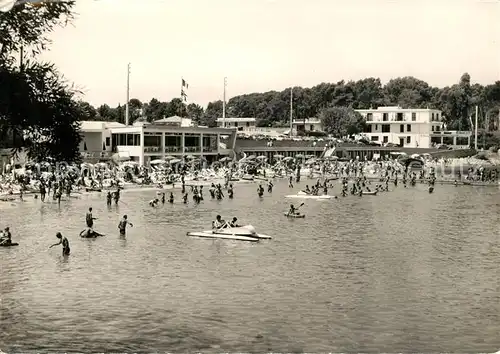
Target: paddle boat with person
pixel 293 212
pixel 304 195
pixel 230 231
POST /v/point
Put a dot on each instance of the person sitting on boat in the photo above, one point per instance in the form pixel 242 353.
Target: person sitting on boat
pixel 234 222
pixel 308 191
pixel 6 237
pixel 292 210
pixel 219 223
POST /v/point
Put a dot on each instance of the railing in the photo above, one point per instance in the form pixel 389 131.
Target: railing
pixel 173 149
pixel 95 154
pixel 192 149
pixel 152 149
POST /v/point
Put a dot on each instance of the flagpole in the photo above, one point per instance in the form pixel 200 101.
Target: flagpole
pixel 128 96
pixel 224 104
pixel 291 111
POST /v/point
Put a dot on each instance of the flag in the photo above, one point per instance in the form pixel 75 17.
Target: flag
pixel 184 87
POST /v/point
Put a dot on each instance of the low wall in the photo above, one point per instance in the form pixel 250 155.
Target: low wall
pixel 454 154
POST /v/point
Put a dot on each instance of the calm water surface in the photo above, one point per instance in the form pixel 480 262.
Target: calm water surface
pixel 404 271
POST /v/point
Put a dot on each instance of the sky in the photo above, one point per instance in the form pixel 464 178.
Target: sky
pixel 263 45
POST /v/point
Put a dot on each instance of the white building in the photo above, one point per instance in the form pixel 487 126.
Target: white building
pixel 415 128
pixel 144 142
pixel 241 124
pixel 307 125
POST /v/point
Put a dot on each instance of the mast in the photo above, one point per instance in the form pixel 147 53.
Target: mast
pixel 291 111
pixel 128 96
pixel 224 104
pixel 475 130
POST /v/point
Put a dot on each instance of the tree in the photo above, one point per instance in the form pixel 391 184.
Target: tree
pixel 41 109
pixel 341 121
pixel 195 112
pixel 213 111
pixel 37 107
pixel 88 111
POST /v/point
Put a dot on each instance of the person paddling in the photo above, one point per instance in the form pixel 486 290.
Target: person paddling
pixel 219 223
pixel 65 244
pixel 122 225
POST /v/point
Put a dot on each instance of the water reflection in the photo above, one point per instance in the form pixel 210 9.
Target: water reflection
pixel 402 271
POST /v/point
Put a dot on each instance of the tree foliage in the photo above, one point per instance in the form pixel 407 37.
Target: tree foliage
pixel 38 111
pixel 341 121
pixel 273 108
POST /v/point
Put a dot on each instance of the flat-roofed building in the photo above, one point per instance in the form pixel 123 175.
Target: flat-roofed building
pixel 241 124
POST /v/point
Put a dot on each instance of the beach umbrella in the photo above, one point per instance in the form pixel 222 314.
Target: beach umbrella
pixel 224 159
pixel 173 161
pixel 261 157
pixel 157 162
pixel 310 156
pixel 189 157
pixel 299 156
pixel 251 157
pixel 169 157
pixel 288 158
pixel 278 156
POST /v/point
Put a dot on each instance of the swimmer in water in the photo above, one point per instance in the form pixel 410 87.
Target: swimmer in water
pixel 65 244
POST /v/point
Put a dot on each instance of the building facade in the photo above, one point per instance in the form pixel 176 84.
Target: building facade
pixel 306 125
pixel 412 128
pixel 146 142
pixel 241 124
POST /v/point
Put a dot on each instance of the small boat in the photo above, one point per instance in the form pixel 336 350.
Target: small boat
pixel 9 244
pixel 370 193
pixel 242 233
pixel 304 195
pixel 247 178
pixel 297 216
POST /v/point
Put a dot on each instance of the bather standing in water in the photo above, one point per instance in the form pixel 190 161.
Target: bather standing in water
pixel 122 225
pixel 65 244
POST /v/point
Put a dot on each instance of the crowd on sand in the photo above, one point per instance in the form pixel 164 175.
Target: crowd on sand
pixel 356 177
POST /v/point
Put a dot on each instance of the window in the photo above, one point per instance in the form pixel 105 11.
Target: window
pixel 385 117
pixel 248 124
pixel 413 116
pixel 408 127
pixel 375 138
pixel 399 117
pixel 137 140
pixel 369 116
pixel 311 127
pixel 408 139
pixel 236 124
pixel 438 128
pixel 432 117
pixel 437 116
pixel 432 128
pixel 386 128
pixel 108 141
pixel 401 128
pixel 376 126
pixel 368 128
pixel 385 139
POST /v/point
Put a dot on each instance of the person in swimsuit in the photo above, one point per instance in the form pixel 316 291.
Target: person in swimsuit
pixel 89 218
pixel 65 244
pixel 6 238
pixel 122 225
